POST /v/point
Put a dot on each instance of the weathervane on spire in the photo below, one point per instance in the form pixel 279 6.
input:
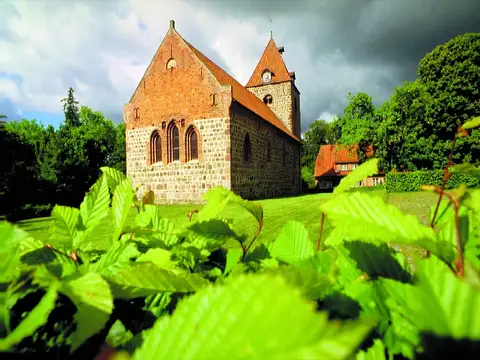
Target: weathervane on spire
pixel 271 25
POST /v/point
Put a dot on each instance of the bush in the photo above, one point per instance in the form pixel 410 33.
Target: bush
pixel 411 181
pixel 29 211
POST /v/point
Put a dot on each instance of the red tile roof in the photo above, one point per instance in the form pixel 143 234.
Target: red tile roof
pixel 242 94
pixel 325 162
pixel 330 155
pixel 272 60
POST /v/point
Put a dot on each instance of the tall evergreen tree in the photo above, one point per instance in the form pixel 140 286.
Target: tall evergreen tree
pixel 70 108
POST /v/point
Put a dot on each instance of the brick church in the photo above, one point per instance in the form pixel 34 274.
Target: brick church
pixel 191 126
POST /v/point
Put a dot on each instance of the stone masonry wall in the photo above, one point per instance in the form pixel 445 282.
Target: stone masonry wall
pixel 180 181
pixel 262 178
pixel 282 100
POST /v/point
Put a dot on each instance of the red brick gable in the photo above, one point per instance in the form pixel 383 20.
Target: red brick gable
pixel 272 60
pixel 182 92
pixel 186 90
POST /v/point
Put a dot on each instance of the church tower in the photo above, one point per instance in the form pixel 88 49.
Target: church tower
pixel 275 86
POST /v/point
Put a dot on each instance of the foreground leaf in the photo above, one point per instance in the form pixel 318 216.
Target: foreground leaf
pixel 121 203
pixel 95 205
pixel 91 294
pixel 472 123
pixel 35 319
pixel 293 244
pixel 375 352
pixel 144 279
pixel 253 317
pixel 114 177
pixel 447 305
pixel 366 217
pixel 368 168
pixel 10 240
pixel 66 227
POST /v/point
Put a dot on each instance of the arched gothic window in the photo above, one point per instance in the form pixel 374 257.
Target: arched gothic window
pixel 268 99
pixel 191 141
pixel 247 149
pixel 155 148
pixel 173 143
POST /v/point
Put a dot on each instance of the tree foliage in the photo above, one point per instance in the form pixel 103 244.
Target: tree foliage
pixel 42 166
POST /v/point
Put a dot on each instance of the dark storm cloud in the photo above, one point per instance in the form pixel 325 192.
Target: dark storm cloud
pixel 392 35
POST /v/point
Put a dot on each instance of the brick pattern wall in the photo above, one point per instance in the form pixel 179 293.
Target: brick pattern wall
pixel 282 100
pixel 181 181
pixel 262 178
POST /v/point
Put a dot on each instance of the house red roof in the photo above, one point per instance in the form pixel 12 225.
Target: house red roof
pixel 272 60
pixel 330 155
pixel 241 94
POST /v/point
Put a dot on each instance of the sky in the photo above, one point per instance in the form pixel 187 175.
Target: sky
pixel 101 48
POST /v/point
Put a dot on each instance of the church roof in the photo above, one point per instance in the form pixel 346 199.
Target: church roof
pixel 241 94
pixel 272 60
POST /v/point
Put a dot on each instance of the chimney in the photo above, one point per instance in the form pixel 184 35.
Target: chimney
pixel 281 49
pixel 292 75
pixel 172 24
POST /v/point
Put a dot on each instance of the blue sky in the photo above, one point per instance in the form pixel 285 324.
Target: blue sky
pixel 102 48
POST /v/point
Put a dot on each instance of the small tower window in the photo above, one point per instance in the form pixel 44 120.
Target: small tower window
pixel 268 99
pixel 213 99
pixel 269 152
pixel 247 150
pixel 171 63
pixel 284 154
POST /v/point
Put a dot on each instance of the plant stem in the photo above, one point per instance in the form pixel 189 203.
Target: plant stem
pixel 459 262
pixel 245 250
pixel 319 241
pixel 444 183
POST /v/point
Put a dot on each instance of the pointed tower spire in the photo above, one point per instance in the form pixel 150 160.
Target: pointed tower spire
pixel 272 62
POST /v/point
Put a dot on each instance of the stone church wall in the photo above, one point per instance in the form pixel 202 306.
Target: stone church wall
pixel 180 181
pixel 262 178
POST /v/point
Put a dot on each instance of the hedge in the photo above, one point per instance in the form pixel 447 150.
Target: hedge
pixel 411 181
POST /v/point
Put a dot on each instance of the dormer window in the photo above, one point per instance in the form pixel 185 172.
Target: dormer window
pixel 268 99
pixel 266 76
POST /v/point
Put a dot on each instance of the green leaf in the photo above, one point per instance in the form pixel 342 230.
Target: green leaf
pixel 376 261
pixel 118 255
pixel 143 279
pixel 472 123
pixel 293 244
pixel 66 226
pixel 365 217
pixel 375 352
pixel 10 239
pixel 93 299
pixel 163 229
pixel 210 234
pixel 253 208
pixel 467 169
pixel 159 257
pixel 217 198
pixel 35 319
pixel 121 203
pixel 118 335
pixel 368 168
pixel 446 305
pixel 233 258
pixel 253 317
pixel 29 244
pixel 95 205
pixel 114 177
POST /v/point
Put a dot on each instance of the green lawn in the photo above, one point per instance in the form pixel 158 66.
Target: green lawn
pixel 277 212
